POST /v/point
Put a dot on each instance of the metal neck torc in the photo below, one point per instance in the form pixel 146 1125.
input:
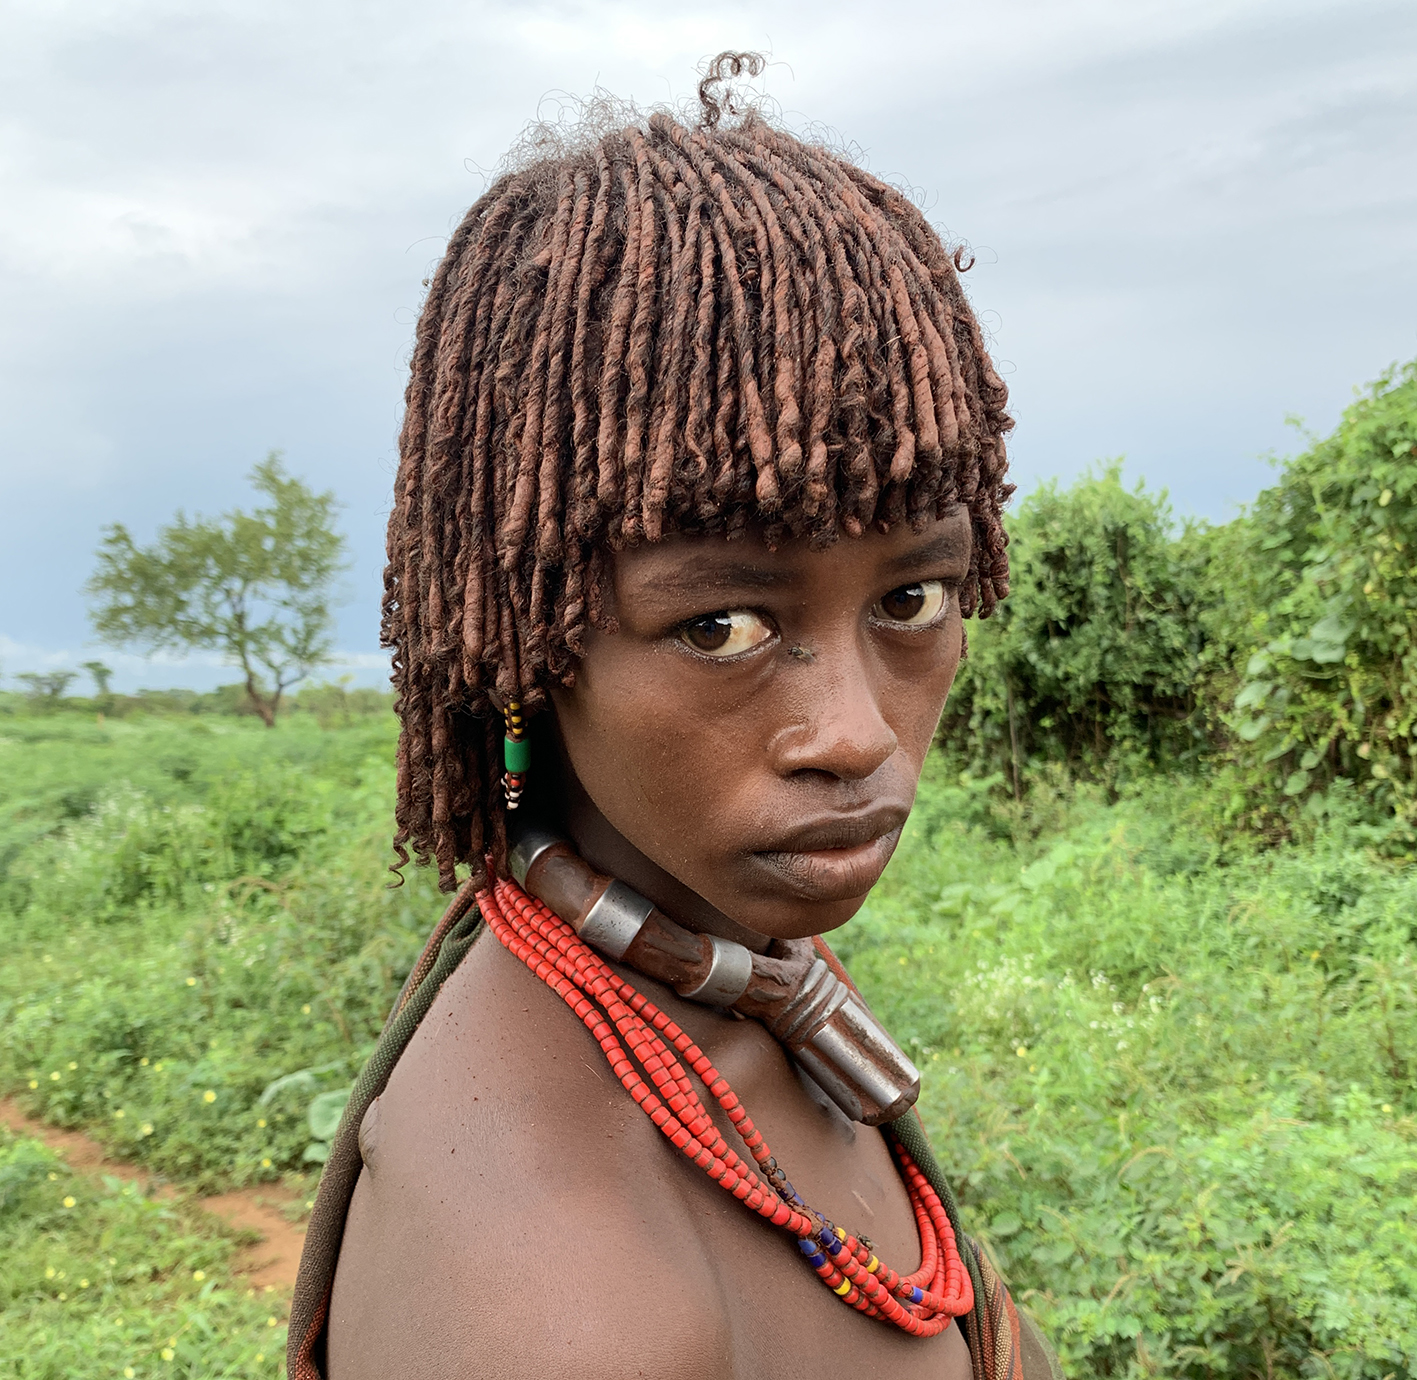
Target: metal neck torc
pixel 822 1022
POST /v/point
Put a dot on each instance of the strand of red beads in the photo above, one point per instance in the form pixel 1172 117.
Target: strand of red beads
pixel 620 1017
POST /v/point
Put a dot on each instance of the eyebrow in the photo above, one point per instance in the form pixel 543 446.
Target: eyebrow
pixel 700 573
pixel 709 572
pixel 948 546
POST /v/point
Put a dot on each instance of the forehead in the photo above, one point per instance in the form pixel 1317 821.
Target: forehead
pixel 697 563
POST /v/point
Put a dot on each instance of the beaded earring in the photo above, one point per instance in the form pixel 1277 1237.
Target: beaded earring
pixel 516 754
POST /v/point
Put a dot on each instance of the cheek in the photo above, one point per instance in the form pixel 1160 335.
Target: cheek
pixel 917 689
pixel 651 753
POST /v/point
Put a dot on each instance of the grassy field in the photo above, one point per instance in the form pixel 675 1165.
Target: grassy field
pixel 1172 1076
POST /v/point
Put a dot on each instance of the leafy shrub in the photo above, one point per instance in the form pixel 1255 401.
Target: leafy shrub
pixel 1315 616
pixel 1090 662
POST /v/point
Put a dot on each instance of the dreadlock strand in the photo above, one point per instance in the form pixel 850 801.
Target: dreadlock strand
pixel 583 512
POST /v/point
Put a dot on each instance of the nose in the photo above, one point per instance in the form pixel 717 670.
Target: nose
pixel 837 727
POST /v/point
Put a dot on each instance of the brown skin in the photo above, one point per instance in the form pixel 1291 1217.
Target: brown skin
pixel 517 1215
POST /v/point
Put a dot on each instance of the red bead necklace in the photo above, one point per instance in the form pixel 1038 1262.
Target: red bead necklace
pixel 921 1303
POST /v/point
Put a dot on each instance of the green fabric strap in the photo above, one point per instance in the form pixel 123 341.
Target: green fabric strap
pixel 305 1342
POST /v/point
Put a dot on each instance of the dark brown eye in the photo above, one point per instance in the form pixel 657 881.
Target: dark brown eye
pixel 725 634
pixel 913 606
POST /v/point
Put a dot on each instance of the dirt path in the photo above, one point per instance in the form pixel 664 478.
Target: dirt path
pixel 271 1261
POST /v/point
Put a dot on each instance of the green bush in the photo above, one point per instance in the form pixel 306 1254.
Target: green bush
pixel 1091 660
pixel 1314 617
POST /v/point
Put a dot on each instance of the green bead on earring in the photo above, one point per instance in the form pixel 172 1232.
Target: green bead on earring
pixel 516 755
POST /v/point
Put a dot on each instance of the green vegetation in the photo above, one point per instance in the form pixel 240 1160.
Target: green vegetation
pixel 1149 933
pixel 1178 1095
pixel 97 1279
pixel 1279 649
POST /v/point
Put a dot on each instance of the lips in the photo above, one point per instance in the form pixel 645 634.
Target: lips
pixel 835 858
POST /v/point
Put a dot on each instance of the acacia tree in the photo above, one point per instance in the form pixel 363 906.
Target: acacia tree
pixel 257 587
pixel 47 687
pixel 101 676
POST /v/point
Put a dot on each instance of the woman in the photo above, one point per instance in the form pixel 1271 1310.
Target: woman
pixel 701 472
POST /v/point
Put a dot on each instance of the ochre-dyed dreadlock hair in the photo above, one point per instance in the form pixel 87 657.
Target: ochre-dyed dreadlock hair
pixel 666 329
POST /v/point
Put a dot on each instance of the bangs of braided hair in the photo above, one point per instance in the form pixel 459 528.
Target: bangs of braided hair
pixel 666 329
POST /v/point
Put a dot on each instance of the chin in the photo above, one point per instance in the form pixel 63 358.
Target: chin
pixel 793 918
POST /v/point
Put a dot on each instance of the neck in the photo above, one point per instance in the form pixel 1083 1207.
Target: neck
pixel 607 850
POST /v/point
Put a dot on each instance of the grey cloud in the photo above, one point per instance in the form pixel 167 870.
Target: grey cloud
pixel 1192 219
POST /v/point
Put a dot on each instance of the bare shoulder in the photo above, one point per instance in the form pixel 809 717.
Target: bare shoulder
pixel 494 1231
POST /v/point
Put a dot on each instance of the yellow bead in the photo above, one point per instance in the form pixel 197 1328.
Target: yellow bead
pixel 873 1264
pixel 843 1289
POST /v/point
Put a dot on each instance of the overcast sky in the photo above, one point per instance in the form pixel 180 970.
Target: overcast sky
pixel 1192 219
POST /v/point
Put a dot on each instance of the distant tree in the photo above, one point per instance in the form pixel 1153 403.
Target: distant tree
pixel 101 675
pixel 257 587
pixel 47 687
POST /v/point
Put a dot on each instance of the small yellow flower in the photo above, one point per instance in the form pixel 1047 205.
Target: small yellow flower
pixel 172 1341
pixel 260 1121
pixel 209 1096
pixel 72 1066
pixel 266 1163
pixel 167 1353
pixel 63 1298
pixel 146 1129
pixel 199 1275
pixel 1315 956
pixel 49 1273
pixel 191 982
pixel 144 1061
pixel 1022 1051
pixel 53 1178
pixel 55 1076
pixel 120 1113
pixel 83 1284
pixel 272 1321
pixel 34 1082
pixel 1384 498
pixel 157 1067
pixel 260 1356
pixel 1387 1109
pixel 49 958
pixel 128 1373
pixel 306 1008
pixel 69 1201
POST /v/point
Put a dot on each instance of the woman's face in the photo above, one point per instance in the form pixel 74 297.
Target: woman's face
pixel 757 725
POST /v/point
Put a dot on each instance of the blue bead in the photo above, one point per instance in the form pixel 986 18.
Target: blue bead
pixel 918 1296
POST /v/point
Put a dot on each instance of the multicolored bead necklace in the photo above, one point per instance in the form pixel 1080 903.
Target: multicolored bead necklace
pixel 921 1304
